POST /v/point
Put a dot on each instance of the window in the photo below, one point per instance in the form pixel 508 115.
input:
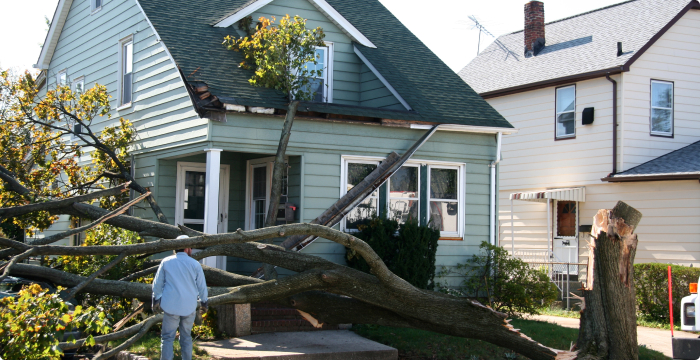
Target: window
pixel 79 85
pixel 95 5
pixel 445 196
pixel 566 112
pixel 126 71
pixel 62 78
pixel 566 218
pixel 321 84
pixel 355 172
pixel 661 108
pixel 79 238
pixel 404 194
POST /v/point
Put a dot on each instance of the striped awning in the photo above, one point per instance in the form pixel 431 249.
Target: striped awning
pixel 567 194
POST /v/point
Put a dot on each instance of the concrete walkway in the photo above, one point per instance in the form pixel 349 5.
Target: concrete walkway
pixel 655 339
pixel 316 345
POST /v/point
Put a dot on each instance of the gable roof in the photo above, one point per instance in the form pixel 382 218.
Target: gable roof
pixel 578 47
pixel 434 92
pixel 57 22
pixel 683 163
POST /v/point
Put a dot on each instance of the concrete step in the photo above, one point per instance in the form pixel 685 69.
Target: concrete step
pixel 285 325
pixel 321 345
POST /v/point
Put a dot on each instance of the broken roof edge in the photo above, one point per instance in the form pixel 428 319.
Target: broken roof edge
pixel 323 6
pixel 469 128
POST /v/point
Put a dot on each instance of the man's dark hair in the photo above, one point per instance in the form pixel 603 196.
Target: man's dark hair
pixel 180 250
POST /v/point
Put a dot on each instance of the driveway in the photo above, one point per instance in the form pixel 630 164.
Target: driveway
pixel 655 339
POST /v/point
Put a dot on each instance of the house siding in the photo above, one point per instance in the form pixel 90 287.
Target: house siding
pixel 373 93
pixel 674 57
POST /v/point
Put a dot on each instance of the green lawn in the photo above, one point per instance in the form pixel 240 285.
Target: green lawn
pixel 642 320
pixel 422 345
pixel 149 346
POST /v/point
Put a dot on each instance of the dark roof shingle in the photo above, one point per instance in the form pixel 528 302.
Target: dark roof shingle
pixel 683 161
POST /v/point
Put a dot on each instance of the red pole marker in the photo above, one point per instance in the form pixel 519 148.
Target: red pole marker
pixel 670 298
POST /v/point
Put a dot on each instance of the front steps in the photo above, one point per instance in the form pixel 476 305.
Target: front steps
pixel 267 317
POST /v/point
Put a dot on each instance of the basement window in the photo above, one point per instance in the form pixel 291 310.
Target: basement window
pixel 565 122
pixel 661 122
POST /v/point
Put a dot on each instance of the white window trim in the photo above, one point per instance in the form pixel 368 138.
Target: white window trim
pixel 557 113
pixel 652 107
pixel 461 168
pixel 182 168
pixel 250 165
pixel 120 79
pixel 95 9
pixel 79 80
pixel 461 176
pixel 328 71
pixel 58 77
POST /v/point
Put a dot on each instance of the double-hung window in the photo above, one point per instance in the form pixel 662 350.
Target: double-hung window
pixel 404 194
pixel 354 172
pixel 62 78
pixel 321 79
pixel 661 108
pixel 79 85
pixel 565 122
pixel 126 70
pixel 95 6
pixel 445 199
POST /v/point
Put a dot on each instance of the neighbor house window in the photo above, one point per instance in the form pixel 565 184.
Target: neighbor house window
pixel 320 83
pixel 126 71
pixel 95 5
pixel 444 199
pixel 354 172
pixel 79 85
pixel 565 122
pixel 404 194
pixel 661 108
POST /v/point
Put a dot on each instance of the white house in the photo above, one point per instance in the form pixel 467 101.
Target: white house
pixel 607 104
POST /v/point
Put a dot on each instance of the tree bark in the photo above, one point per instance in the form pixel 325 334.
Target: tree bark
pixel 277 175
pixel 608 328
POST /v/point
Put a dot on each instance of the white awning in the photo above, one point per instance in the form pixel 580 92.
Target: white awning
pixel 566 194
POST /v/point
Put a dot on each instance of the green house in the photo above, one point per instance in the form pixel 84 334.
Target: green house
pixel 206 137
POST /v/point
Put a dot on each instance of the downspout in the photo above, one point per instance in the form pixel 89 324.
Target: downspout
pixel 493 164
pixel 614 129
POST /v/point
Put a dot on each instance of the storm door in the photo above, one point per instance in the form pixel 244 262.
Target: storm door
pixel 190 196
pixel 566 233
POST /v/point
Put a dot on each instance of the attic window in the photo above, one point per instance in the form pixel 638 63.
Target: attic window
pixel 322 85
pixel 95 6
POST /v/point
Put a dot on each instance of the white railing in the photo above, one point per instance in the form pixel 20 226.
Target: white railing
pixel 560 272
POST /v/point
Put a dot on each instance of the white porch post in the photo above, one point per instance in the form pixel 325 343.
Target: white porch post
pixel 211 202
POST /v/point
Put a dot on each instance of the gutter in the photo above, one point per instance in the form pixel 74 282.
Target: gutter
pixel 492 217
pixel 614 122
pixel 638 178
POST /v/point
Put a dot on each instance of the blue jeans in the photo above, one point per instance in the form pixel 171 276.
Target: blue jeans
pixel 167 335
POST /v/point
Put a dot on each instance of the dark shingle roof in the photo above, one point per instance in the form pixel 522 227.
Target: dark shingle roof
pixel 576 45
pixel 434 92
pixel 683 161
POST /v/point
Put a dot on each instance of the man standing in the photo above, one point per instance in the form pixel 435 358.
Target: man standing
pixel 177 284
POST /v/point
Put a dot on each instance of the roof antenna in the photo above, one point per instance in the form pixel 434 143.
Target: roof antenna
pixel 481 28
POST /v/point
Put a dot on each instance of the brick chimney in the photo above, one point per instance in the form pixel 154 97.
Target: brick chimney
pixel 534 28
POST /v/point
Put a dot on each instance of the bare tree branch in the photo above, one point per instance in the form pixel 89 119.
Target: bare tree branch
pixel 94 275
pixel 142 331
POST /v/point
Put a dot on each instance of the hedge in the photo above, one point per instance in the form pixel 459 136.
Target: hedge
pixel 408 250
pixel 651 286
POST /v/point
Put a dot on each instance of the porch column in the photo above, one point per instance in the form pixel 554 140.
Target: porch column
pixel 211 202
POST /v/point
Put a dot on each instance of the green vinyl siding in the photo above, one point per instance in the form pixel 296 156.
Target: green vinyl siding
pixel 373 93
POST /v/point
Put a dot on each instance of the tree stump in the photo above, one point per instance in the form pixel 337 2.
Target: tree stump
pixel 608 328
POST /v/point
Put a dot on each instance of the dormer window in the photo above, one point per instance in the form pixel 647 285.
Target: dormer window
pixel 322 84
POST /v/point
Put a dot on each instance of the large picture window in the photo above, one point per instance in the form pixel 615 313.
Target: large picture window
pixel 661 108
pixel 565 122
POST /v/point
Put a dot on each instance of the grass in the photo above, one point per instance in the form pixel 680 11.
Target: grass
pixel 149 346
pixel 641 319
pixel 422 345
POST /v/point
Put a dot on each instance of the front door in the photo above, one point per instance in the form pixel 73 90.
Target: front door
pixel 566 234
pixel 190 195
pixel 258 185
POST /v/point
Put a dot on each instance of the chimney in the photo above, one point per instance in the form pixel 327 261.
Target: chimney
pixel 534 28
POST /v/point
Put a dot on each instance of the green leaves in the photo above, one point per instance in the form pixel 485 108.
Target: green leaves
pixel 279 55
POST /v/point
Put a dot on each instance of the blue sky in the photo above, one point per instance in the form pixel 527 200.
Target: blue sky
pixel 443 25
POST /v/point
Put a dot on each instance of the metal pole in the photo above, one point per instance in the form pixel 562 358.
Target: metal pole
pixel 549 225
pixel 512 229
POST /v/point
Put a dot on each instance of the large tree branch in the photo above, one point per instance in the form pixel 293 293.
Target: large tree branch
pixel 93 276
pixel 9 178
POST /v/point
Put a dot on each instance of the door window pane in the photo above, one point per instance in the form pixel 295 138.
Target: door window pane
pixel 443 183
pixel 662 107
pixel 566 111
pixel 566 218
pixel 194 194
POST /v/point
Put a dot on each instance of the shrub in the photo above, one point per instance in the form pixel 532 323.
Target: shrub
pixel 651 287
pixel 506 283
pixel 34 322
pixel 408 250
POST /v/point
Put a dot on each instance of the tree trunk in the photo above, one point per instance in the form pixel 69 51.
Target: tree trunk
pixel 277 175
pixel 608 328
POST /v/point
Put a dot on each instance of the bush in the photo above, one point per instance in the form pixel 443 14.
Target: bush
pixel 34 322
pixel 408 250
pixel 506 283
pixel 651 287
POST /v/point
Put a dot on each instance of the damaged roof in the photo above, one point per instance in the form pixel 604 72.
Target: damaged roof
pixel 434 92
pixel 577 45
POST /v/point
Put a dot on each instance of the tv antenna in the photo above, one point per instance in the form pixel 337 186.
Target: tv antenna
pixel 482 28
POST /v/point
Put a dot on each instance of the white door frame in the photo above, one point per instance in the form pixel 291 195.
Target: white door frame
pixel 269 162
pixel 182 168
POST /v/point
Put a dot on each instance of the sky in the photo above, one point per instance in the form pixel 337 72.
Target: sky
pixel 444 26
